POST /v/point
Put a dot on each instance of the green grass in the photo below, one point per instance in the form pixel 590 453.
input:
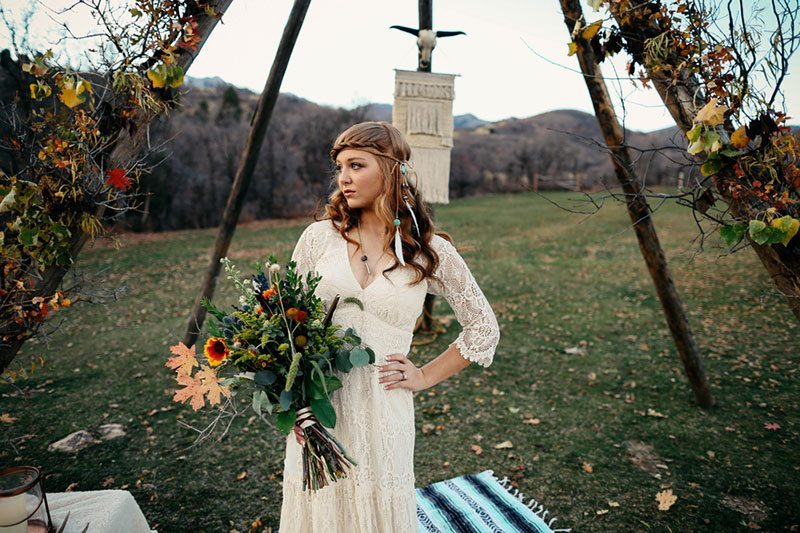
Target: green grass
pixel 556 280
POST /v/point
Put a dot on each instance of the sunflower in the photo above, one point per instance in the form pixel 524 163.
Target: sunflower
pixel 216 350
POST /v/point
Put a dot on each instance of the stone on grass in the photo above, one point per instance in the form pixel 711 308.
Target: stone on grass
pixel 73 442
pixel 111 431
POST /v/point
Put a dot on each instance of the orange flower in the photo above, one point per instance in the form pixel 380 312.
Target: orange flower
pixel 259 310
pixel 269 292
pixel 216 350
pixel 297 314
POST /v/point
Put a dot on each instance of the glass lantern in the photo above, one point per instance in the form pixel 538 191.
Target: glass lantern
pixel 21 498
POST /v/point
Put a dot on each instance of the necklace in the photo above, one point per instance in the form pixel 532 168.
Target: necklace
pixel 363 256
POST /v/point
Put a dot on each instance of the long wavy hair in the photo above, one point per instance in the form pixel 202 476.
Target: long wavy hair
pixel 381 137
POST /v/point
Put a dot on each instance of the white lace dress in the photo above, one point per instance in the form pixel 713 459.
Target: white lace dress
pixel 376 425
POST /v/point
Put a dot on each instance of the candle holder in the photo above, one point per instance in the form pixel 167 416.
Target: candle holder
pixel 21 497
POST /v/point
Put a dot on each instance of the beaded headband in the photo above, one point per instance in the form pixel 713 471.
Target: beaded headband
pixel 405 167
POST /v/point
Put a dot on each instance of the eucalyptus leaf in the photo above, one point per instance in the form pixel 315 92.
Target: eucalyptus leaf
pixel 265 403
pixel 286 399
pixel 343 361
pixel 359 357
pixel 257 402
pixel 265 377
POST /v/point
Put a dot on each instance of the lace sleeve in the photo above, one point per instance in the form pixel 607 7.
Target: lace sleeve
pixel 303 254
pixel 480 332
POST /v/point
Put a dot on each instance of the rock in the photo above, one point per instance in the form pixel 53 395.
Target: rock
pixel 111 431
pixel 73 442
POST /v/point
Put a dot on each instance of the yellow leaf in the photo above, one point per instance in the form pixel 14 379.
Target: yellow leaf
pixel 158 78
pixel 739 138
pixel 39 90
pixel 788 225
pixel 573 47
pixel 588 468
pixel 74 94
pixel 591 30
pixel 241 475
pixel 696 147
pixel 711 114
pixel 665 499
pixel 504 444
pixel 6 418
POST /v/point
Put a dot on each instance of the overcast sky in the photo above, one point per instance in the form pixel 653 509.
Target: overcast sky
pixel 512 63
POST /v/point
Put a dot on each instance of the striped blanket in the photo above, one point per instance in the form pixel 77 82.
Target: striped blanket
pixel 478 503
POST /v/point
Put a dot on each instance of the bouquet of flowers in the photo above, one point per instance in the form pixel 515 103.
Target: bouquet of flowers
pixel 280 342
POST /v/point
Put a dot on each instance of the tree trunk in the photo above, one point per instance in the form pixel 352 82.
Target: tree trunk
pixel 247 164
pixel 682 100
pixel 125 148
pixel 639 212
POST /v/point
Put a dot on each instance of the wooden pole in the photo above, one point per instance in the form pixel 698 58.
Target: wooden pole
pixel 247 164
pixel 426 23
pixel 639 211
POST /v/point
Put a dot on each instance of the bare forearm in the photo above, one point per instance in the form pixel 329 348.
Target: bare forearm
pixel 449 362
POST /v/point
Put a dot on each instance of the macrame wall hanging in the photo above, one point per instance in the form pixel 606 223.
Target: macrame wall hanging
pixel 423 111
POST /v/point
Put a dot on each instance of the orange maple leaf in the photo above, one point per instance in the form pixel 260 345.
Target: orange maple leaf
pixel 211 384
pixel 184 359
pixel 193 388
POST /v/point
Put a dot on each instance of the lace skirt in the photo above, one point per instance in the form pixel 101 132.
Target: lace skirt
pixel 376 427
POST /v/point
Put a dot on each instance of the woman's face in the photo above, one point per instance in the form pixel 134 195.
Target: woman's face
pixel 358 177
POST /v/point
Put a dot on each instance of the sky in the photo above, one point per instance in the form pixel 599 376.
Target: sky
pixel 512 63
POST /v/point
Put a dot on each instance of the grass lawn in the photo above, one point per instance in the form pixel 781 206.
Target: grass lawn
pixel 597 431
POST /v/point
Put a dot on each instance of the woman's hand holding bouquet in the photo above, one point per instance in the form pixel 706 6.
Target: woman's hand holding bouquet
pixel 280 342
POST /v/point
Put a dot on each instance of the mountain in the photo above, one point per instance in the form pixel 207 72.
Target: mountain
pixel 204 83
pixel 467 122
pixel 384 112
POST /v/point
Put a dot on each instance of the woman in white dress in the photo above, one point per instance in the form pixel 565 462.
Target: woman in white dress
pixel 353 248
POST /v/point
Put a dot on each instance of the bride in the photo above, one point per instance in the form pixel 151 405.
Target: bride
pixel 376 242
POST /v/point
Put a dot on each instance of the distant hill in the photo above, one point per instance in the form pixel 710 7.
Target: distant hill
pixel 204 83
pixel 203 139
pixel 555 149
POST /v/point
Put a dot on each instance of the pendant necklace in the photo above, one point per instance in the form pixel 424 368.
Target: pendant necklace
pixel 363 256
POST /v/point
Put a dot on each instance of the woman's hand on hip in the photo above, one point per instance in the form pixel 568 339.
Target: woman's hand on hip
pixel 391 374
